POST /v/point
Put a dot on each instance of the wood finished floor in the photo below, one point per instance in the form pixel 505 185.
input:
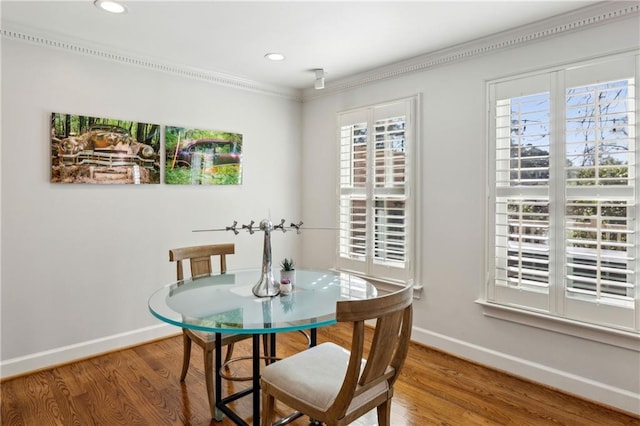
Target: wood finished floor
pixel 140 386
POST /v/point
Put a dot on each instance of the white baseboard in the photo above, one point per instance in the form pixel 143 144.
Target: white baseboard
pixel 66 354
pixel 567 382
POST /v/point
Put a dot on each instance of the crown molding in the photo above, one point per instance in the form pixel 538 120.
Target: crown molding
pixel 587 17
pixel 30 36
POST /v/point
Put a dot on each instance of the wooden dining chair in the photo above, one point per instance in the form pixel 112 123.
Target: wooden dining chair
pixel 200 263
pixel 335 386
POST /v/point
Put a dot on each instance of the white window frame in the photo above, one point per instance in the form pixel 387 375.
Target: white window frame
pixel 380 273
pixel 555 310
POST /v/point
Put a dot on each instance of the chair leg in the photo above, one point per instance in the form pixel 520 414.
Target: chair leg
pixel 186 355
pixel 384 413
pixel 208 377
pixel 268 404
pixel 229 352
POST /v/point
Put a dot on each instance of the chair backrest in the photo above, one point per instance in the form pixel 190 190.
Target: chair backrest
pixel 394 316
pixel 200 258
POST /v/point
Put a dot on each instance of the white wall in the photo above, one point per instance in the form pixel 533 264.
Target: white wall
pixel 453 215
pixel 80 261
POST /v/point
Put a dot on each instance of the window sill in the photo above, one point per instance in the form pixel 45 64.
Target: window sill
pixel 609 336
pixel 387 286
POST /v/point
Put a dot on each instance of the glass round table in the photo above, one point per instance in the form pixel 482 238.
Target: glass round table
pixel 224 303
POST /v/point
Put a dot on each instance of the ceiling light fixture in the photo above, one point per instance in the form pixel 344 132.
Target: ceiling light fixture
pixel 319 84
pixel 110 6
pixel 275 57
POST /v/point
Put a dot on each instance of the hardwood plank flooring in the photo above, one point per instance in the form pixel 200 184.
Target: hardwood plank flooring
pixel 141 386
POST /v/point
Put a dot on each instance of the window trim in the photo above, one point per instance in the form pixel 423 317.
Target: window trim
pixel 413 196
pixel 600 333
pixel 583 330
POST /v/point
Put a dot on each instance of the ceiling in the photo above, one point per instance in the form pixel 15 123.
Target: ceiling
pixel 232 37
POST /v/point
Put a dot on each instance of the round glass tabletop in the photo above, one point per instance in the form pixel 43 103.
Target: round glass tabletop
pixel 225 303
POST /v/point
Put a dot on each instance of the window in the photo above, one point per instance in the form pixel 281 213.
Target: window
pixel 375 178
pixel 563 211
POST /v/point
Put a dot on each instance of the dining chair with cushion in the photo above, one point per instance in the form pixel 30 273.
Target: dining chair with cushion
pixel 334 385
pixel 200 264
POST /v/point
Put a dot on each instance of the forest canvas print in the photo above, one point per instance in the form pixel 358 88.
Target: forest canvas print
pixel 202 157
pixel 103 150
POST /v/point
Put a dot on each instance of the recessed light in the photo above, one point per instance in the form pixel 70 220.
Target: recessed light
pixel 274 57
pixel 110 6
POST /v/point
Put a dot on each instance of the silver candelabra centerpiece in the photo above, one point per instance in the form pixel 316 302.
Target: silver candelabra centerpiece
pixel 267 286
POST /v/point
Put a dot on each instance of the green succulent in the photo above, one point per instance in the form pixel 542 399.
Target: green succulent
pixel 287 264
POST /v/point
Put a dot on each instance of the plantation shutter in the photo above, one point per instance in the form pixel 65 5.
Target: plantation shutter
pixel 375 170
pixel 521 131
pixel 601 186
pixel 353 221
pixel 563 164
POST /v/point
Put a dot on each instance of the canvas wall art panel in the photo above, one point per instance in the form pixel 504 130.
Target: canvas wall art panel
pixel 98 150
pixel 202 157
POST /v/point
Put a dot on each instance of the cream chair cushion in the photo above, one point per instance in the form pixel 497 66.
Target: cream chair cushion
pixel 315 376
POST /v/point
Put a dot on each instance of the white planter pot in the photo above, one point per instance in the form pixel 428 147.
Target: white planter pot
pixel 290 275
pixel 285 289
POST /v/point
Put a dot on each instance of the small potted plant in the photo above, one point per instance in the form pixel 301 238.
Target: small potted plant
pixel 288 270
